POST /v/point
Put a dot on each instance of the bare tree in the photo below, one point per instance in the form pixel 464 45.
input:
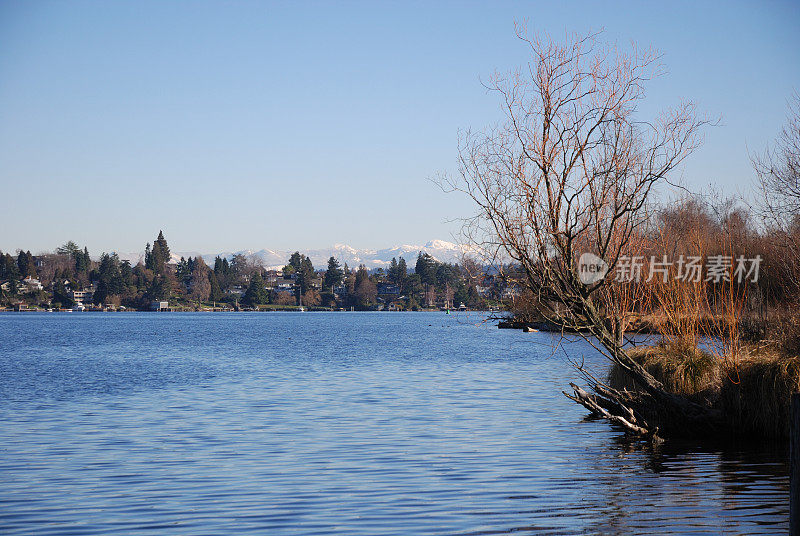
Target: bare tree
pixel 200 284
pixel 570 171
pixel 778 170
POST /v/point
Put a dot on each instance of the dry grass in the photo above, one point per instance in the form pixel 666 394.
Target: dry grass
pixel 683 369
pixel 755 394
pixel 753 391
pixel 787 333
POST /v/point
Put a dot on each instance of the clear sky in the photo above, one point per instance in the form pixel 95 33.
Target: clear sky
pixel 292 125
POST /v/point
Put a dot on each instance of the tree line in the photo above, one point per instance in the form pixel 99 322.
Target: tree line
pixel 238 281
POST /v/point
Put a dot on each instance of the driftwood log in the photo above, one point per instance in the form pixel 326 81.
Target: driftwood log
pixel 648 412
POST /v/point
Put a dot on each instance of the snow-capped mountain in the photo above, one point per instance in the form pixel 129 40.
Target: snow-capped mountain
pixel 441 250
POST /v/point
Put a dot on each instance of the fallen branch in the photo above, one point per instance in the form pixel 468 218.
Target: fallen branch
pixel 600 407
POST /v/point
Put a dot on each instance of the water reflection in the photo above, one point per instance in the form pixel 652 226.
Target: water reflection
pixel 682 487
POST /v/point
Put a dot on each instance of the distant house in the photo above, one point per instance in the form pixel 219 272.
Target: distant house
pixel 159 306
pixel 29 284
pixel 83 296
pixel 284 285
pixel 512 291
pixel 33 283
pixel 388 290
pixel 272 277
pixel 237 290
pixel 483 292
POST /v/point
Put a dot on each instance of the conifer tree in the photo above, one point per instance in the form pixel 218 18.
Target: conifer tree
pixel 70 248
pixel 426 268
pixel 215 293
pixel 160 288
pixel 109 281
pixel 334 274
pixel 26 264
pixel 160 254
pixel 82 261
pixel 256 293
pixel 148 258
pixel 8 268
pixel 402 273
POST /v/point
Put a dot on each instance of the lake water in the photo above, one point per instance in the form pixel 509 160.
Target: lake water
pixel 338 423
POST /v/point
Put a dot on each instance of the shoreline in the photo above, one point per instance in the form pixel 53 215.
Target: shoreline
pixel 219 310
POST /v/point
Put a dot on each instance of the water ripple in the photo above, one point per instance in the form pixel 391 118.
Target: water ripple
pixel 337 424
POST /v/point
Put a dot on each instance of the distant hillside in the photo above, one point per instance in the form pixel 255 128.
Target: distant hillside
pixel 441 250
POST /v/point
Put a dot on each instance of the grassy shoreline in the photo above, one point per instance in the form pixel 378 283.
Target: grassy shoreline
pixel 752 392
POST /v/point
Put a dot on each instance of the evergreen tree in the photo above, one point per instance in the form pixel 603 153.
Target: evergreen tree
pixel 300 266
pixel 334 274
pixel 238 267
pixel 183 271
pixel 305 274
pixel 473 298
pixel 402 273
pixel 397 271
pixel 126 271
pixel 296 261
pixel 8 268
pixel 426 268
pixel 109 281
pixel 217 265
pixel 8 276
pixel 222 271
pixel 447 274
pixel 215 293
pixel 83 262
pixel 148 258
pixel 256 293
pixel 60 294
pixel 160 288
pixel 160 254
pixel 26 265
pixel 461 295
pixel 70 248
pixel 163 248
pixel 350 285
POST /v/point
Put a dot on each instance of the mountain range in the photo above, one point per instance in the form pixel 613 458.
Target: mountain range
pixel 441 250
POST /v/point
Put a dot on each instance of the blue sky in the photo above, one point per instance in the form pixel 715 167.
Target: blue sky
pixel 234 125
